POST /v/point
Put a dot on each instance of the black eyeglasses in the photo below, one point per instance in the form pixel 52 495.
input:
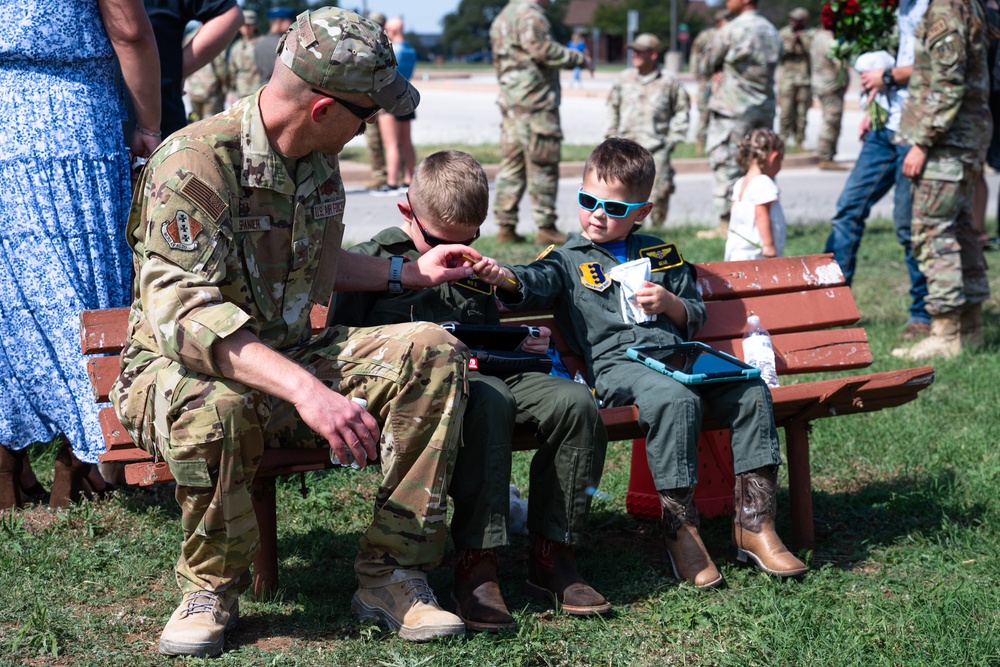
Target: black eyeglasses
pixel 614 209
pixel 429 238
pixel 364 113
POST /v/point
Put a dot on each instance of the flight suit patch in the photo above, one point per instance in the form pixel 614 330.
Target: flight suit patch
pixel 475 285
pixel 662 257
pixel 593 277
pixel 181 233
pixel 545 253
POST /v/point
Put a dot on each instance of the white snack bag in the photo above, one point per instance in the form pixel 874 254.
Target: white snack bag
pixel 631 276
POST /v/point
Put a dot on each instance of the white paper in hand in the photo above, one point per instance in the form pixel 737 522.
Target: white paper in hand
pixel 631 276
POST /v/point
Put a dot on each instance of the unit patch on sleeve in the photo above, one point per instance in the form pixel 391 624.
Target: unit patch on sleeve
pixel 181 232
pixel 662 257
pixel 593 277
pixel 203 196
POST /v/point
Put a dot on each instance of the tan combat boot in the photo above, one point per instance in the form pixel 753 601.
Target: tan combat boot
pixel 754 536
pixel 408 606
pixel 477 592
pixel 830 165
pixel 198 626
pixel 688 556
pixel 553 578
pixel 971 327
pixel 720 232
pixel 549 236
pixel 508 235
pixel 945 339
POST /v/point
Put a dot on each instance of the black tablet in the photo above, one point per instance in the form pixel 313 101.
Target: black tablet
pixel 693 363
pixel 489 336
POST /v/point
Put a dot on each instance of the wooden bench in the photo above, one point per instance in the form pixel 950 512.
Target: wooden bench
pixel 801 300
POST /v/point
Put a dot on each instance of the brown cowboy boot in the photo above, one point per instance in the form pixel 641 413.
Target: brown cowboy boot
pixel 689 558
pixel 10 478
pixel 553 578
pixel 753 524
pixel 477 597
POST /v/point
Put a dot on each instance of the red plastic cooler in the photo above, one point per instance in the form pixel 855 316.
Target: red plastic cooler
pixel 714 493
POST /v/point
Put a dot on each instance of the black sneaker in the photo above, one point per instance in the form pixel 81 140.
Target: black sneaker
pixel 386 190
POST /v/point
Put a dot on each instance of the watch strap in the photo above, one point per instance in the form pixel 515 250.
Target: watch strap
pixel 396 274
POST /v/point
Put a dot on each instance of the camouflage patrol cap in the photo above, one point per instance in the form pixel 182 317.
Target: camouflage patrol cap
pixel 646 41
pixel 799 14
pixel 250 16
pixel 721 15
pixel 377 17
pixel 338 50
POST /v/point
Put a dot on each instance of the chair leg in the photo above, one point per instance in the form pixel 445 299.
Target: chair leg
pixel 265 565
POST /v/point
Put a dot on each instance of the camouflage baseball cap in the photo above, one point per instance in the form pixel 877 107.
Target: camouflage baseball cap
pixel 799 14
pixel 646 41
pixel 377 17
pixel 250 16
pixel 341 51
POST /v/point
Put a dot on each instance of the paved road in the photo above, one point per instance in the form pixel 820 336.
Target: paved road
pixel 464 111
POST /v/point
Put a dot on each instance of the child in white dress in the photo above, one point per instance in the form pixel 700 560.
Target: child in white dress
pixel 756 221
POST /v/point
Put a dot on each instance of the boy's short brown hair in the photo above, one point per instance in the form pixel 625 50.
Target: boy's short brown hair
pixel 450 188
pixel 625 162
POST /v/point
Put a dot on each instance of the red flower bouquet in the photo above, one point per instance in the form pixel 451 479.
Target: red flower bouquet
pixel 861 26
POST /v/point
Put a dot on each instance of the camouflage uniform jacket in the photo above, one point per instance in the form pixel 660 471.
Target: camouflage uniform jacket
pixel 827 74
pixel 223 238
pixel 527 60
pixel 468 301
pixel 949 88
pixel 700 48
pixel 746 51
pixel 573 281
pixel 651 110
pixel 209 81
pixel 243 75
pixel 794 62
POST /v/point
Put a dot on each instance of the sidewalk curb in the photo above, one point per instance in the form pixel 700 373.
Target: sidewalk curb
pixel 358 173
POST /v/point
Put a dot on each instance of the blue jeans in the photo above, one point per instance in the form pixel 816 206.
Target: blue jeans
pixel 879 167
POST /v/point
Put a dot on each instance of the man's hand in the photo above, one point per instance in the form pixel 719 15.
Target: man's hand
pixel 539 345
pixel 342 423
pixel 913 163
pixel 442 264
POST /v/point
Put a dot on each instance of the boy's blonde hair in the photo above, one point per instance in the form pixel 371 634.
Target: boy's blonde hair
pixel 450 188
pixel 623 161
pixel 756 146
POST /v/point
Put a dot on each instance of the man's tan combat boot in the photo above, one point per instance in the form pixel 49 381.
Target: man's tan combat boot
pixel 720 232
pixel 477 592
pixel 408 606
pixel 549 236
pixel 830 165
pixel 689 558
pixel 198 626
pixel 945 339
pixel 754 537
pixel 971 327
pixel 506 234
pixel 553 578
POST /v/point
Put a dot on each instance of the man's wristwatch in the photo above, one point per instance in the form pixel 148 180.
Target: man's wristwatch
pixel 887 78
pixel 396 274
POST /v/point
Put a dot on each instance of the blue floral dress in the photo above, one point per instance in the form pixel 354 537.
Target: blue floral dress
pixel 64 199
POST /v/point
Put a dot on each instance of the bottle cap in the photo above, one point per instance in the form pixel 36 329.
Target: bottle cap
pixel 753 320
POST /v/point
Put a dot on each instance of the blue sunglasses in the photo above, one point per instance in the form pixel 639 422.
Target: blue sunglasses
pixel 614 209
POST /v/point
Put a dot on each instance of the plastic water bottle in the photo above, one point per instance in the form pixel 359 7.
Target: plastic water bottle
pixel 350 457
pixel 758 351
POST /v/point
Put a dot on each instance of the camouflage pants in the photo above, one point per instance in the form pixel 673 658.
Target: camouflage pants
pixel 945 242
pixel 724 136
pixel 207 107
pixel 663 187
pixel 212 433
pixel 794 101
pixel 704 94
pixel 833 111
pixel 529 146
pixel 376 154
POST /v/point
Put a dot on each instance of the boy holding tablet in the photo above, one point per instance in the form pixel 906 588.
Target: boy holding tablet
pixel 448 199
pixel 576 280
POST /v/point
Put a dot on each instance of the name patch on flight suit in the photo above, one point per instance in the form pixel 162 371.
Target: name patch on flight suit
pixel 328 209
pixel 475 285
pixel 181 232
pixel 662 257
pixel 593 277
pixel 259 223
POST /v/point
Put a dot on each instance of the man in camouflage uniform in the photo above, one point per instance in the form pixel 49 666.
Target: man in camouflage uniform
pixel 650 107
pixel 376 152
pixel 947 123
pixel 699 50
pixel 244 79
pixel 206 88
pixel 828 78
pixel 742 59
pixel 794 95
pixel 527 63
pixel 236 235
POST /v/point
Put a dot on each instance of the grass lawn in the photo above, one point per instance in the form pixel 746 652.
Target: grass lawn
pixel 905 570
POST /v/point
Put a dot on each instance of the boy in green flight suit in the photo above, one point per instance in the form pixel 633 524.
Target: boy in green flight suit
pixel 448 199
pixel 576 281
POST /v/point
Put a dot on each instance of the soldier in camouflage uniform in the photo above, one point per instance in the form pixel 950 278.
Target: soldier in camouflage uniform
pixel 700 47
pixel 828 78
pixel 947 123
pixel 794 94
pixel 650 107
pixel 233 243
pixel 206 88
pixel 743 58
pixel 244 79
pixel 527 63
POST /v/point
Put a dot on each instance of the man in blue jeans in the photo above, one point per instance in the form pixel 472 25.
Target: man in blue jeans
pixel 878 168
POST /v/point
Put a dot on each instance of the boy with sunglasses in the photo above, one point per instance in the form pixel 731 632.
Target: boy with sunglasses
pixel 575 281
pixel 448 200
